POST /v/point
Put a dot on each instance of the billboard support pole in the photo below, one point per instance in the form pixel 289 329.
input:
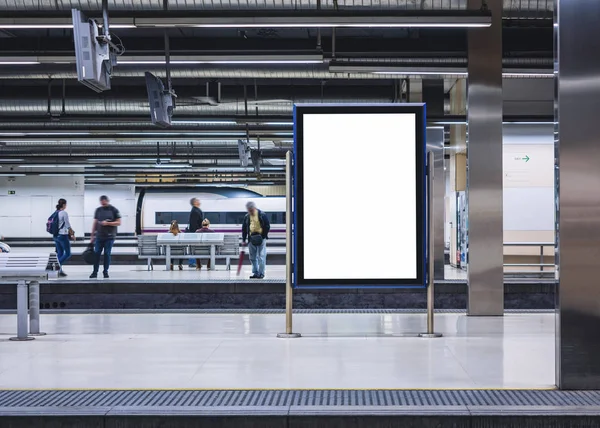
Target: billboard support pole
pixel 289 292
pixel 430 249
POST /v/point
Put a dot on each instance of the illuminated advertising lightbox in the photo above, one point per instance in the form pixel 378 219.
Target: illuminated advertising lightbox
pixel 359 201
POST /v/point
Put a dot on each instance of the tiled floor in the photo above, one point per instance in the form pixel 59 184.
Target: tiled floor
pixel 241 351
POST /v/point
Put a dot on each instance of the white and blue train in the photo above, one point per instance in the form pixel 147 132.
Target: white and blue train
pixel 223 206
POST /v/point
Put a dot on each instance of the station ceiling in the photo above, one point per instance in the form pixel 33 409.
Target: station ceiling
pixel 47 117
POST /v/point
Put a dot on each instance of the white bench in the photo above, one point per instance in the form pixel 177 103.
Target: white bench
pixel 27 269
pixel 149 249
pixel 230 249
pixel 184 241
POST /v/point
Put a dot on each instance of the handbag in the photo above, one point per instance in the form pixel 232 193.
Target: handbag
pixel 256 239
pixel 89 255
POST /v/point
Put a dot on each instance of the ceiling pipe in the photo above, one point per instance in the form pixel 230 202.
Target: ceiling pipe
pixel 515 8
pixel 309 71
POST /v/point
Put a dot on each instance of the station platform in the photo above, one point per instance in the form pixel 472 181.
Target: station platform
pixel 224 350
pixel 134 287
pixel 230 370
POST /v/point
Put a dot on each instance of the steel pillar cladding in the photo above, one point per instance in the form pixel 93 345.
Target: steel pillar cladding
pixel 484 160
pixel 577 41
pixel 435 144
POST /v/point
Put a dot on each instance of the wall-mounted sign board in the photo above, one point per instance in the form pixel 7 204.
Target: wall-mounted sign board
pixel 359 195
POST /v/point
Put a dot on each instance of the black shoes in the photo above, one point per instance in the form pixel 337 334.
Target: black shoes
pixel 62 274
pixel 95 275
pixel 257 277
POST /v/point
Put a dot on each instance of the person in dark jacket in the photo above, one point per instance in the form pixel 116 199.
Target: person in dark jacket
pixel 195 223
pixel 256 228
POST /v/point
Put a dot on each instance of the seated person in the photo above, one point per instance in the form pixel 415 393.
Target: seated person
pixel 205 229
pixel 174 229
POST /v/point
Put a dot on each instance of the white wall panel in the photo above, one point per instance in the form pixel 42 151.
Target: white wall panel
pixel 34 200
pixel 530 208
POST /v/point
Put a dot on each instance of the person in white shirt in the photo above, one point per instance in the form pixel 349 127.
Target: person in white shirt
pixel 62 240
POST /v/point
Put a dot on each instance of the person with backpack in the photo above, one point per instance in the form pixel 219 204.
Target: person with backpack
pixel 61 232
pixel 256 228
pixel 104 231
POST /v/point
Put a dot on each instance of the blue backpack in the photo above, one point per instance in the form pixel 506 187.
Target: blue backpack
pixel 52 226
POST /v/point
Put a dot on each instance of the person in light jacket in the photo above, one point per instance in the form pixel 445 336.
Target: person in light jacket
pixel 256 228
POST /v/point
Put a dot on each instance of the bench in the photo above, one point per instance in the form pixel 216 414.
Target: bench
pixel 149 249
pixel 27 269
pixel 229 250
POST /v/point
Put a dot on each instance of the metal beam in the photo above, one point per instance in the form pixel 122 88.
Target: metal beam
pixel 578 66
pixel 484 182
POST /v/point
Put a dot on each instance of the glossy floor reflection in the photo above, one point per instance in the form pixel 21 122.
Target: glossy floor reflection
pixel 241 351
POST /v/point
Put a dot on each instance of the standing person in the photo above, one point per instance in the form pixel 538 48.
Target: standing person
pixel 174 229
pixel 195 223
pixel 256 228
pixel 204 229
pixel 63 239
pixel 104 231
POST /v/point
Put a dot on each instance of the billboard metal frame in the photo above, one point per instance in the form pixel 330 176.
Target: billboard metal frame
pixel 421 206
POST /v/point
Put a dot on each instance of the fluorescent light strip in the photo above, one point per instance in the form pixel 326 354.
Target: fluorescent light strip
pixel 204 122
pixel 57 166
pixel 247 61
pixel 53 26
pixel 19 62
pixel 307 24
pixel 464 122
pixel 421 73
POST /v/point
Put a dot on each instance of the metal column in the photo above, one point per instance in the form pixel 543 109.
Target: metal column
pixel 289 292
pixel 21 312
pixel 34 309
pixel 430 247
pixel 484 159
pixel 578 220
pixel 435 145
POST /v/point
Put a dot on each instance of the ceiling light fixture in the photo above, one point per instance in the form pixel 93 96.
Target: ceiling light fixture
pixel 462 20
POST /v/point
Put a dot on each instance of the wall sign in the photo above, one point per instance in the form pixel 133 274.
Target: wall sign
pixel 359 205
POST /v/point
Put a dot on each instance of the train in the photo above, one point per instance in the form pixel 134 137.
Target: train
pixel 223 206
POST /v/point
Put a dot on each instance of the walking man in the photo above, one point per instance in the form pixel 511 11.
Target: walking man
pixel 256 228
pixel 104 231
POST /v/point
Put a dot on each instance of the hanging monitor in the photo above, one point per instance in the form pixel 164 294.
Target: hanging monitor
pixel 161 101
pixel 359 202
pixel 93 57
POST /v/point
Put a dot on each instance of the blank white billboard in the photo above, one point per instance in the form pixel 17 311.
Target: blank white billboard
pixel 360 207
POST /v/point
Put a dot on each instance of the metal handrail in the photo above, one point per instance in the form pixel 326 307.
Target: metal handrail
pixel 541 246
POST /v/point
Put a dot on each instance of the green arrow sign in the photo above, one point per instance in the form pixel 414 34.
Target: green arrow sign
pixel 526 158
